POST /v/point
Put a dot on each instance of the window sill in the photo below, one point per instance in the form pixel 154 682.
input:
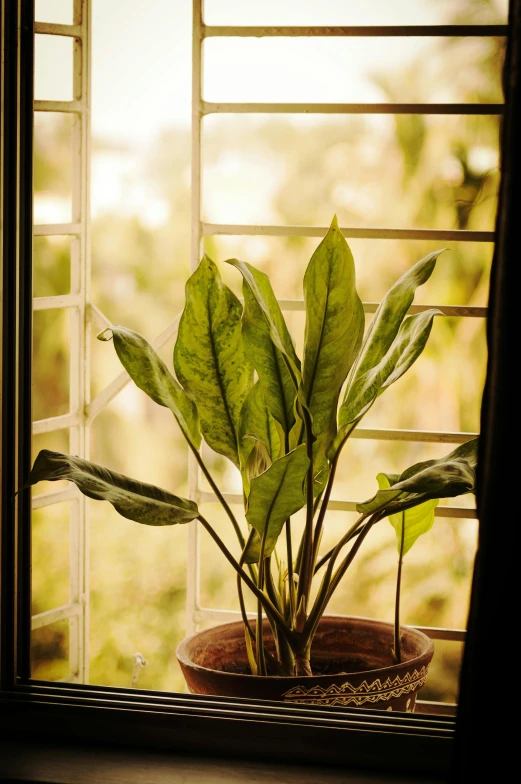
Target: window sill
pixel 60 763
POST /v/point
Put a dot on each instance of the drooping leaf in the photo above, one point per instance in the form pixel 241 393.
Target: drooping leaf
pixel 148 371
pixel 268 360
pixel 402 353
pixel 274 496
pixel 260 288
pixel 414 521
pixel 389 316
pixel 261 436
pixel 447 477
pixel 333 335
pixel 210 360
pixel 134 500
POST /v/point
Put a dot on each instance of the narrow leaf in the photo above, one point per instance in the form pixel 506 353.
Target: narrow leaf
pixel 402 353
pixel 389 316
pixel 148 371
pixel 334 330
pixel 415 521
pixel 210 360
pixel 268 360
pixel 134 500
pixel 275 495
pixel 260 287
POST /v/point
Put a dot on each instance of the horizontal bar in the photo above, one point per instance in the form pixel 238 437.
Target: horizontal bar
pixel 246 230
pixel 53 616
pixel 58 106
pixel 358 31
pixel 236 499
pixel 208 107
pixel 436 708
pixel 438 633
pixel 425 436
pixel 434 632
pixel 56 497
pixel 113 389
pixel 59 301
pixel 55 423
pixel 471 311
pixel 52 229
pixel 51 28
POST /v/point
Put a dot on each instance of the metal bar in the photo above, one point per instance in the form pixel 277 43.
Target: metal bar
pixel 115 387
pixel 53 616
pixel 56 497
pixel 236 499
pixel 438 633
pixel 53 229
pixel 487 109
pixel 96 317
pixel 51 28
pixel 365 31
pixel 469 311
pixel 59 301
pixel 246 230
pixel 436 708
pixel 55 423
pixel 425 436
pixel 58 106
pixel 193 554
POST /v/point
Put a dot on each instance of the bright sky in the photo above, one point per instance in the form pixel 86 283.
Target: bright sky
pixel 141 77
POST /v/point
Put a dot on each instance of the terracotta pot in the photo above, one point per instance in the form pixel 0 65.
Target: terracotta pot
pixel 351 657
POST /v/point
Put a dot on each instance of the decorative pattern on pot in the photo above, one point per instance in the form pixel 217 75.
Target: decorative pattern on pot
pixel 347 694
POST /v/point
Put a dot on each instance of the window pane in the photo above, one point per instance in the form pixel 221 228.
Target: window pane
pixel 404 172
pixel 52 262
pixel 58 11
pixel 50 557
pixel 50 363
pixel 53 68
pixel 329 70
pixel 352 12
pixel 52 167
pixel 50 652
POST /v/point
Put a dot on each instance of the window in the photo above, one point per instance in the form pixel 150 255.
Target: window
pixel 76 301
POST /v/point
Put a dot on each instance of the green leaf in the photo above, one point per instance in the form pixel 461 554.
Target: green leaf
pixel 389 316
pixel 148 371
pixel 274 496
pixel 403 352
pixel 268 360
pixel 334 329
pixel 259 286
pixel 261 436
pixel 210 360
pixel 447 477
pixel 415 521
pixel 134 500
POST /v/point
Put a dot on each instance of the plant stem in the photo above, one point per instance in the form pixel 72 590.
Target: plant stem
pixel 397 646
pixel 290 571
pixel 266 603
pixel 306 567
pixel 323 509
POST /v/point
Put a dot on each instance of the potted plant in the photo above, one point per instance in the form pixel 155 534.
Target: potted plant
pixel 283 423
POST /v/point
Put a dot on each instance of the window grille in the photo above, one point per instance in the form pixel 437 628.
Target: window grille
pixel 83 313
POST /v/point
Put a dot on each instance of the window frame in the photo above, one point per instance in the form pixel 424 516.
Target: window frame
pixel 368 739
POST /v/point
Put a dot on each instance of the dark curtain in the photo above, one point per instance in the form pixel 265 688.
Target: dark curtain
pixel 485 746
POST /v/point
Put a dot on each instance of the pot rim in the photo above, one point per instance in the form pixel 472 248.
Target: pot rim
pixel 183 658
